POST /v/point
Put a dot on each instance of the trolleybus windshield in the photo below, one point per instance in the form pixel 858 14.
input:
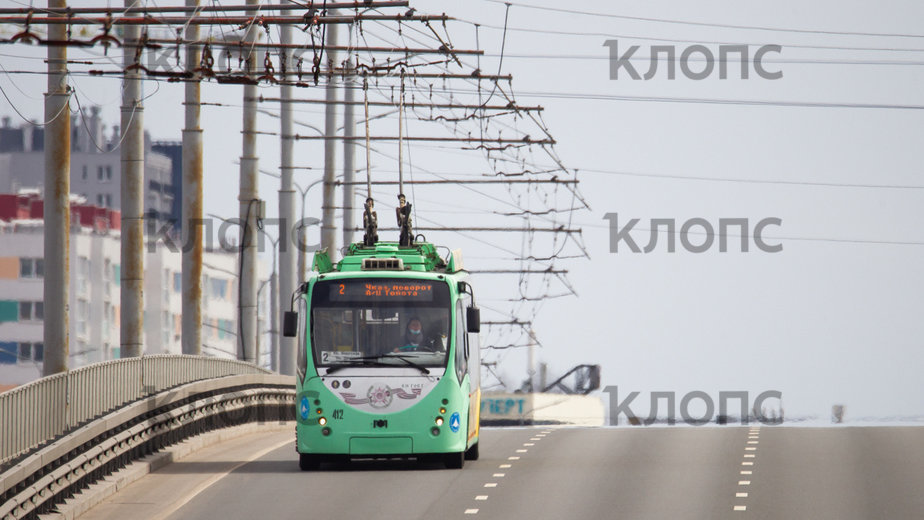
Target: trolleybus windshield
pixel 380 322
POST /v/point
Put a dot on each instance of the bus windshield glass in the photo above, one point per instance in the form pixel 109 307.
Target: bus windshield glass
pixel 380 322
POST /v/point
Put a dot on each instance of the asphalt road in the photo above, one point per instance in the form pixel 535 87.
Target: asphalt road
pixel 632 473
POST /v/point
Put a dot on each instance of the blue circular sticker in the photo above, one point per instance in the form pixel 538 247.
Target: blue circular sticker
pixel 454 422
pixel 303 408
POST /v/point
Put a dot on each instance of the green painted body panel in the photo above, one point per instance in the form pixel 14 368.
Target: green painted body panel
pixel 353 431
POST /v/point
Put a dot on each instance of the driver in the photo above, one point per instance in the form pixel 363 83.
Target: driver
pixel 414 339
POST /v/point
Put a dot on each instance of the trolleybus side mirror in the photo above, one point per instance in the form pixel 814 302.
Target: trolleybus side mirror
pixel 473 319
pixel 290 324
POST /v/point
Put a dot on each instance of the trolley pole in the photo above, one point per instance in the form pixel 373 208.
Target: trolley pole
pixel 57 215
pixel 349 147
pixel 287 273
pixel 328 227
pixel 192 203
pixel 249 207
pixel 132 192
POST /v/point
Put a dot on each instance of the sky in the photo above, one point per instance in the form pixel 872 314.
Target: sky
pixel 833 318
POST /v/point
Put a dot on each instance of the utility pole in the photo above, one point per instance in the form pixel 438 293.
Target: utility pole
pixel 132 192
pixel 273 328
pixel 192 203
pixel 57 215
pixel 287 273
pixel 249 208
pixel 328 227
pixel 349 146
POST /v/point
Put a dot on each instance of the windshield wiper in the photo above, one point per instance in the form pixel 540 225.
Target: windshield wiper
pixel 402 358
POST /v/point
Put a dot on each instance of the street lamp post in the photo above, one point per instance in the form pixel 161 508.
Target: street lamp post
pixel 274 340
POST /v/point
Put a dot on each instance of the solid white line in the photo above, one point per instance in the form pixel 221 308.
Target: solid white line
pixel 498 474
pixel 504 466
pixel 744 482
pixel 741 508
pixel 481 497
pixel 741 495
pixel 173 507
pixel 491 484
pixel 471 511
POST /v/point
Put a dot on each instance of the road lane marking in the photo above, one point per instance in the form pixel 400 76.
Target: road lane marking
pixel 490 484
pixel 747 463
pixel 746 472
pixel 753 442
pixel 535 438
pixel 522 451
pixel 513 458
pixel 741 508
pixel 471 511
pixel 744 482
pixel 504 466
pixel 481 497
pixel 751 448
pixel 529 444
pixel 741 495
pixel 175 506
pixel 498 475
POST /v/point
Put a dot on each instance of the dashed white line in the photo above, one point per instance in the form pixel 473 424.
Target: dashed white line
pixel 504 466
pixel 741 508
pixel 751 448
pixel 513 458
pixel 746 472
pixel 498 475
pixel 744 482
pixel 747 463
pixel 471 511
pixel 481 497
pixel 753 442
pixel 490 484
pixel 535 438
pixel 529 444
pixel 522 451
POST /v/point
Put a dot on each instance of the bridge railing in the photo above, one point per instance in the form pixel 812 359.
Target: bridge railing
pixel 42 410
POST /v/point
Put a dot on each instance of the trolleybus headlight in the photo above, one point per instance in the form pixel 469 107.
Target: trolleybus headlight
pixel 435 431
pixel 442 411
pixel 319 411
pixel 325 431
pixel 322 421
pixel 439 421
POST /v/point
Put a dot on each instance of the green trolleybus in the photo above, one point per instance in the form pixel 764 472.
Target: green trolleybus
pixel 388 357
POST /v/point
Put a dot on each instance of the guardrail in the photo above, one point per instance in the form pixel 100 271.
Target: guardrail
pixel 58 469
pixel 37 412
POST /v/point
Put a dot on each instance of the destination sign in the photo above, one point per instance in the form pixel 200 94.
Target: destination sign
pixel 381 291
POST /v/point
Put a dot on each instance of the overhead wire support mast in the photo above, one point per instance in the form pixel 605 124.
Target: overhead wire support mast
pixel 217 20
pixel 487 140
pixel 467 181
pixel 509 106
pixel 156 42
pixel 201 9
